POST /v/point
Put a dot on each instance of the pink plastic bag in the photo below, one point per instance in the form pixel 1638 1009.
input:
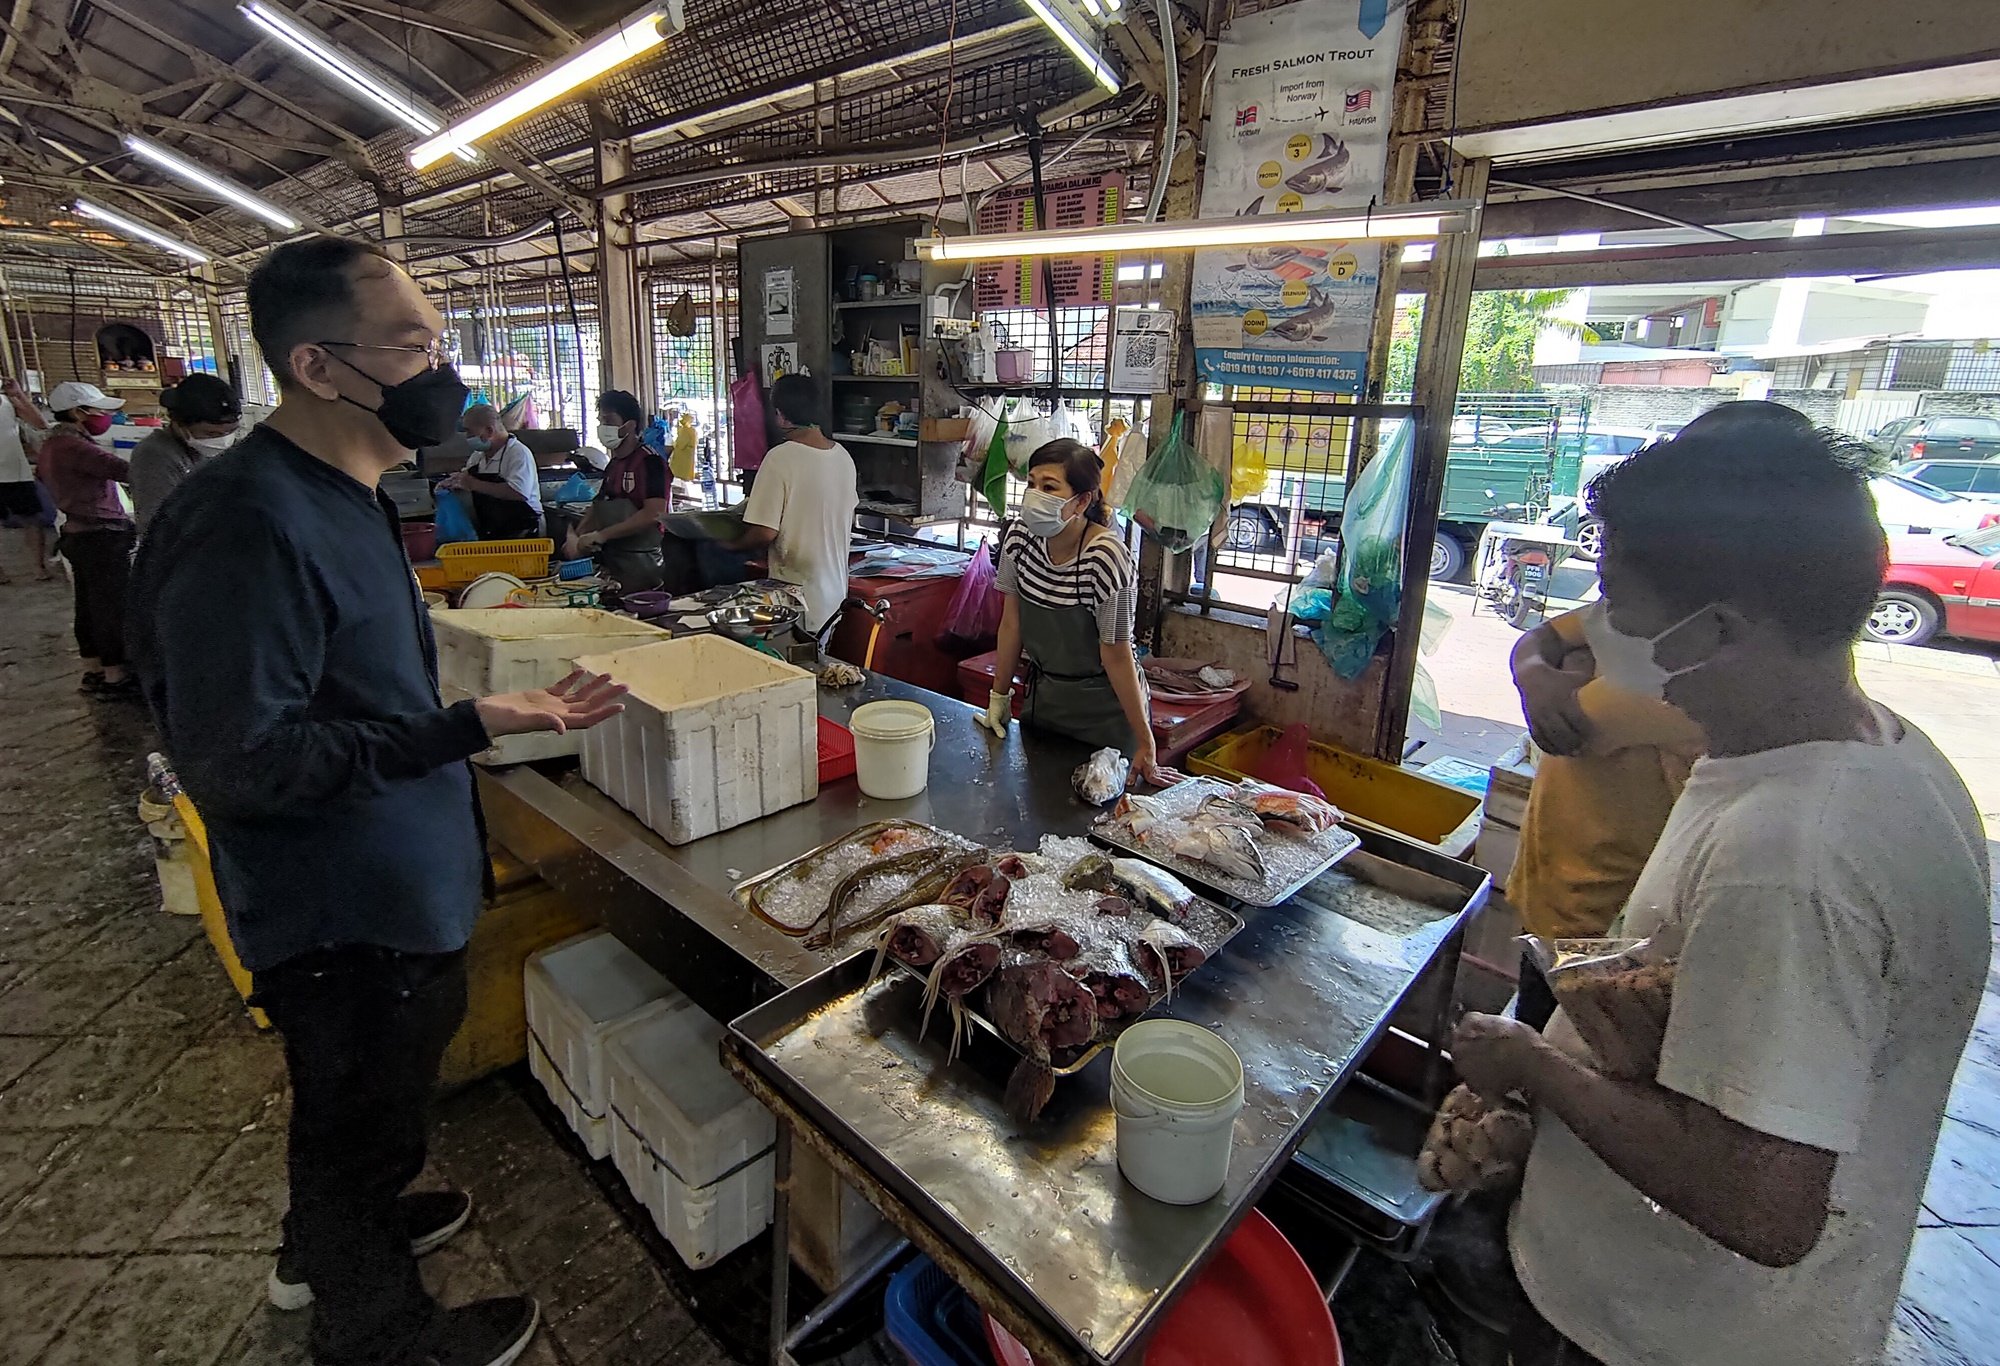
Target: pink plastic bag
pixel 747 436
pixel 972 622
pixel 1284 763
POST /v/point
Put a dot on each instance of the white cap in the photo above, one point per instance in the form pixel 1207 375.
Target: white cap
pixel 74 393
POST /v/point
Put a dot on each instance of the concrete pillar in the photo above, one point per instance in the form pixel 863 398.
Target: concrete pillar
pixel 392 233
pixel 620 336
pixel 209 291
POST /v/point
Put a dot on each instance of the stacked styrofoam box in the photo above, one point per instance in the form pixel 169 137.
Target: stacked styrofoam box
pixel 713 734
pixel 1505 809
pixel 692 1144
pixel 508 649
pixel 577 991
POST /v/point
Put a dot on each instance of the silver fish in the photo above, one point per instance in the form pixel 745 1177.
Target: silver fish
pixel 1227 848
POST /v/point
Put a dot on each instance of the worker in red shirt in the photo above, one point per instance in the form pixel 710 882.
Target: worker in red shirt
pixel 97 533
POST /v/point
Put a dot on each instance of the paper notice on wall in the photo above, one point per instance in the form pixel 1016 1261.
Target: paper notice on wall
pixel 781 358
pixel 778 302
pixel 1299 121
pixel 1142 350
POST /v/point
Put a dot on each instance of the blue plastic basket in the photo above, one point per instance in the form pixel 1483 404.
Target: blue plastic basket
pixel 931 1320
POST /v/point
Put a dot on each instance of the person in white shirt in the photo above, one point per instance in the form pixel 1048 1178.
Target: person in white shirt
pixel 802 507
pixel 501 477
pixel 21 504
pixel 1823 885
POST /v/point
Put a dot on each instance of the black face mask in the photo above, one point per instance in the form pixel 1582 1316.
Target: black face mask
pixel 422 410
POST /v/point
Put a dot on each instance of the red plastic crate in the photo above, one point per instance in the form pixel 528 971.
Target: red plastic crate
pixel 836 752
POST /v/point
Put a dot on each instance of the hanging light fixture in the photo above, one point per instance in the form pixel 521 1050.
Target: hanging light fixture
pixel 180 167
pixel 132 227
pixel 1438 218
pixel 617 45
pixel 1069 23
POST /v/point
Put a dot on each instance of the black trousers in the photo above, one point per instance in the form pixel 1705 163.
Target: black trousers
pixel 101 564
pixel 1537 1003
pixel 364 1031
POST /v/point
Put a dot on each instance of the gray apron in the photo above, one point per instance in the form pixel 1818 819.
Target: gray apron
pixel 632 562
pixel 1068 691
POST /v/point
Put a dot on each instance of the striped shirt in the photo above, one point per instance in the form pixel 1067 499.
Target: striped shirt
pixel 1100 578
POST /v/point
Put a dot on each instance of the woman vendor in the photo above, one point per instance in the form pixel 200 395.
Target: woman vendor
pixel 1071 594
pixel 203 413
pixel 622 528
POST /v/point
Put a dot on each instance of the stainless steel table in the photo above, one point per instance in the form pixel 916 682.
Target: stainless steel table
pixel 1037 1224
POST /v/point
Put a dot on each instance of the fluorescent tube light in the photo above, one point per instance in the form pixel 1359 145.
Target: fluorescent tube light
pixel 132 227
pixel 613 48
pixel 1079 49
pixel 179 166
pixel 346 69
pixel 1435 219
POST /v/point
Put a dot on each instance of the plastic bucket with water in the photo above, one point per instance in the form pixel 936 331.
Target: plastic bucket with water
pixel 1175 1088
pixel 892 748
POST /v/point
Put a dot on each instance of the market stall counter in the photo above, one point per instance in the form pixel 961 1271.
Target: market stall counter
pixel 1034 1220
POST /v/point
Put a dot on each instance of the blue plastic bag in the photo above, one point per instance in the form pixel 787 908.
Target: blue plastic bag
pixel 576 489
pixel 454 523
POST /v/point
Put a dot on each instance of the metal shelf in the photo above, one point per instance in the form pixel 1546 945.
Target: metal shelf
pixel 876 379
pixel 899 301
pixel 876 438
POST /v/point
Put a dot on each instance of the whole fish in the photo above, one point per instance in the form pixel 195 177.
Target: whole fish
pixel 926 889
pixel 1227 848
pixel 1283 807
pixel 823 930
pixel 1154 888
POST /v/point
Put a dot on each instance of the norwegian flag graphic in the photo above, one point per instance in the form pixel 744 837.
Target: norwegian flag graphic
pixel 1246 115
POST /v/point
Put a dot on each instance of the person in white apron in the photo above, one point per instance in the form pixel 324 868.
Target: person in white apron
pixel 1071 594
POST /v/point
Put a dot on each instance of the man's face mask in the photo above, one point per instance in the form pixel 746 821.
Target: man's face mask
pixel 1626 661
pixel 419 411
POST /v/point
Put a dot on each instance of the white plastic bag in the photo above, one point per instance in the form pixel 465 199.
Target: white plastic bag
pixel 1131 459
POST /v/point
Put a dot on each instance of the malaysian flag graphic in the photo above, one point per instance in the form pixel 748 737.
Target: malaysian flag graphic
pixel 1357 100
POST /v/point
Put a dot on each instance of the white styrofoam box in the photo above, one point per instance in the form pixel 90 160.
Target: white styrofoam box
pixel 713 734
pixel 507 649
pixel 576 992
pixel 691 1143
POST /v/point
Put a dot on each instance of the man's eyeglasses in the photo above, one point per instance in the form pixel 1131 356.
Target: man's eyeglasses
pixel 442 351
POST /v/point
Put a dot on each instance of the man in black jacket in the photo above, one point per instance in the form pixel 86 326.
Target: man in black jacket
pixel 287 656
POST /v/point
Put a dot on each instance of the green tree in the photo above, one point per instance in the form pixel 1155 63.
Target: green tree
pixel 1500 338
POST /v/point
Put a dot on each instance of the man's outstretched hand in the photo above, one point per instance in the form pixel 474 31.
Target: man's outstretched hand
pixel 579 702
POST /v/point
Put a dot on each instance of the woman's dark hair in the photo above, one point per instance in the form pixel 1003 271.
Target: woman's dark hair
pixel 1756 509
pixel 1083 471
pixel 201 398
pixel 620 403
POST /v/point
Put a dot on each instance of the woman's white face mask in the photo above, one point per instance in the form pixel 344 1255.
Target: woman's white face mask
pixel 1045 514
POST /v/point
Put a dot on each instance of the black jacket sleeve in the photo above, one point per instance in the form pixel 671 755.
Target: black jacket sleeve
pixel 240 637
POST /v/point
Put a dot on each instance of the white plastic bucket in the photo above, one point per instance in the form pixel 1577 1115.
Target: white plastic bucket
pixel 1176 1089
pixel 892 748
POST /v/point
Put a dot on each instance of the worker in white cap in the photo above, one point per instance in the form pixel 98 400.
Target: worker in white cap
pixel 97 533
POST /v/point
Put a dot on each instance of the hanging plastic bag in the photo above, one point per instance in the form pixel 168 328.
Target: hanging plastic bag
pixel 1249 471
pixel 1178 494
pixel 1370 585
pixel 1107 452
pixel 1119 474
pixel 681 458
pixel 1027 432
pixel 972 621
pixel 972 453
pixel 747 437
pixel 454 523
pixel 993 475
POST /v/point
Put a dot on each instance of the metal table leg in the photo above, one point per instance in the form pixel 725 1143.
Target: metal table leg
pixel 781 1242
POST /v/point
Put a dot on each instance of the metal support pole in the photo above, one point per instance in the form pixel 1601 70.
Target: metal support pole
pixel 781 1242
pixel 1048 266
pixel 1440 353
pixel 721 437
pixel 392 234
pixel 619 349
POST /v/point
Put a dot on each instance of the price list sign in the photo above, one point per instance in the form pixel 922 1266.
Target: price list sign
pixel 1079 202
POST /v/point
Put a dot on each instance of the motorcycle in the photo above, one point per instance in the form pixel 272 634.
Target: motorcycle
pixel 1517 562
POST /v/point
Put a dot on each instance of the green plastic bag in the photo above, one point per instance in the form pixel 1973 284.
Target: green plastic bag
pixel 1177 495
pixel 1368 591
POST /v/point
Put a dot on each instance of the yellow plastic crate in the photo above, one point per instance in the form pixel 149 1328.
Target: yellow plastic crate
pixel 1367 791
pixel 465 561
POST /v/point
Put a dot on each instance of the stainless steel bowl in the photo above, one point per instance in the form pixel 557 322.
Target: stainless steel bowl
pixel 743 621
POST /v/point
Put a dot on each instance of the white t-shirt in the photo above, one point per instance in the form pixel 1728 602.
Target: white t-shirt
pixel 1828 904
pixel 15 467
pixel 808 497
pixel 515 465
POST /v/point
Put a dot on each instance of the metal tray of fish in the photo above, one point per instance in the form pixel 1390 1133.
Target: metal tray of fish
pixel 1208 924
pixel 793 896
pixel 1290 860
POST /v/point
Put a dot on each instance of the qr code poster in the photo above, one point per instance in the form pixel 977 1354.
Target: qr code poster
pixel 1143 343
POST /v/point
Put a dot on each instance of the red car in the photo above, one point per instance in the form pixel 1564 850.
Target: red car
pixel 1946 585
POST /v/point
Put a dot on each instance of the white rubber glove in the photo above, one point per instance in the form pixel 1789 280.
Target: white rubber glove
pixel 999 711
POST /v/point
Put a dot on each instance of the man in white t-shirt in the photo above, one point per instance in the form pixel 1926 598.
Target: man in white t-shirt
pixel 501 477
pixel 1822 882
pixel 802 505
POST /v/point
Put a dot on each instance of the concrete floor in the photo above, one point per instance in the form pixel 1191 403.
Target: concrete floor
pixel 141 1117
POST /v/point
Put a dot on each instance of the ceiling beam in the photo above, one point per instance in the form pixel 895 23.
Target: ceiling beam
pixel 450 28
pixel 542 20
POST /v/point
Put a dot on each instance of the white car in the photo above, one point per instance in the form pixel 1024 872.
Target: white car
pixel 1910 508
